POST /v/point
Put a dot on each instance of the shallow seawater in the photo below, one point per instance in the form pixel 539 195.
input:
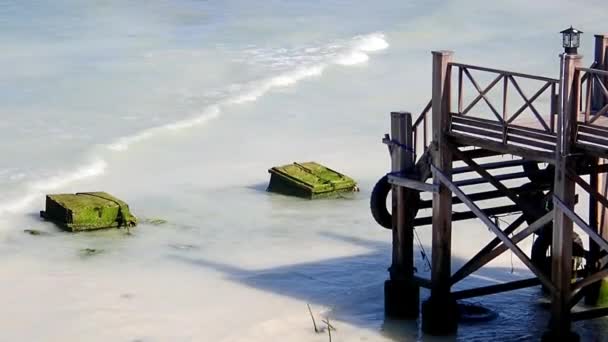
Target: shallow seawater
pixel 179 108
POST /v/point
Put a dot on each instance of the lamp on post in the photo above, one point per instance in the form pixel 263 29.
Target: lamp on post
pixel 571 40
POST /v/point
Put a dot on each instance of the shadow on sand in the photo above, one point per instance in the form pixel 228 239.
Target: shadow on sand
pixel 353 288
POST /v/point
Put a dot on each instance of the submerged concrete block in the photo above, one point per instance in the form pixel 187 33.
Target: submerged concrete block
pixel 309 180
pixel 87 211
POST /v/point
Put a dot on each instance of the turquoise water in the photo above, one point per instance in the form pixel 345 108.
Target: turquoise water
pixel 180 107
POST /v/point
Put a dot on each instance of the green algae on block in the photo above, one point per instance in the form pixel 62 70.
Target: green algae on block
pixel 309 180
pixel 87 211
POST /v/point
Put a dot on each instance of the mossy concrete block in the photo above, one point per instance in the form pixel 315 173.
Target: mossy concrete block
pixel 88 211
pixel 309 180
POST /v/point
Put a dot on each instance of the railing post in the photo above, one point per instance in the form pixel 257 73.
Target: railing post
pixel 564 189
pixel 439 313
pixel 601 62
pixel 401 293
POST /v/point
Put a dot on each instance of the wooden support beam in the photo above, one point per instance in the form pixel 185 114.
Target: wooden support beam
pixel 589 314
pixel 489 166
pixel 403 181
pixel 467 215
pixel 442 160
pixel 525 206
pixel 499 233
pixel 493 289
pixel 590 279
pixel 402 161
pixel 564 194
pixel 481 259
pixel 478 196
pixel 573 217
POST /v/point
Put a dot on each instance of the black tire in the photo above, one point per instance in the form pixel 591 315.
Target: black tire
pixel 536 175
pixel 377 203
pixel 541 247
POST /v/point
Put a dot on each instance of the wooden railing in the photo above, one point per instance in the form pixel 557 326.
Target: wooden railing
pixel 499 124
pixel 594 99
pixel 592 84
pixel 506 117
pixel 421 127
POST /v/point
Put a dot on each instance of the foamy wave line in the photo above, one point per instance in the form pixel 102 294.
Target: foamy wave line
pixel 357 52
pixel 37 189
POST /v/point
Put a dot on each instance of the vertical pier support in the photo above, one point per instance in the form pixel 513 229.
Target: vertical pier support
pixel 564 189
pixel 401 293
pixel 439 312
pixel 598 215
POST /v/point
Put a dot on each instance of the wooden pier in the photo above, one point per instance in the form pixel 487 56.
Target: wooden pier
pixel 557 137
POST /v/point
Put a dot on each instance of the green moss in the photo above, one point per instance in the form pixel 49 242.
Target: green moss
pixel 310 180
pixel 87 211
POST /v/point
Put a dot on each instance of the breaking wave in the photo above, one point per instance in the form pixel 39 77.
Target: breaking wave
pixel 312 64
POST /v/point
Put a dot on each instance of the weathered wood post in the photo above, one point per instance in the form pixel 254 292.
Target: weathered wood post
pixel 439 312
pixel 598 215
pixel 601 62
pixel 401 293
pixel 564 190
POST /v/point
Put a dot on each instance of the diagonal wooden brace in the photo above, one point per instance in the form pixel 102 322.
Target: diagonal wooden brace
pixel 499 233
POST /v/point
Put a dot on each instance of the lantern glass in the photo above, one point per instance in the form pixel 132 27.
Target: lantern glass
pixel 575 40
pixel 567 40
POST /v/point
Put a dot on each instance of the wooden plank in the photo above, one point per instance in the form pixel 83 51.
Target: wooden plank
pixel 467 215
pixel 476 131
pixel 589 314
pixel 530 134
pixel 481 180
pixel 590 279
pixel 499 233
pixel 593 130
pixel 541 156
pixel 496 183
pixel 505 72
pixel 591 71
pixel 491 166
pixel 529 142
pixel 423 282
pixel 478 196
pixel 592 150
pixel 412 184
pixel 477 122
pixel 480 153
pixel 493 289
pixel 497 126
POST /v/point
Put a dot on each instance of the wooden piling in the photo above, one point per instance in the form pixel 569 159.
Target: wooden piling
pixel 564 190
pixel 401 293
pixel 439 311
pixel 598 214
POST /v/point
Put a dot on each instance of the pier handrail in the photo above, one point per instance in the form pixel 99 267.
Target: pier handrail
pixel 421 120
pixel 591 82
pixel 505 119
